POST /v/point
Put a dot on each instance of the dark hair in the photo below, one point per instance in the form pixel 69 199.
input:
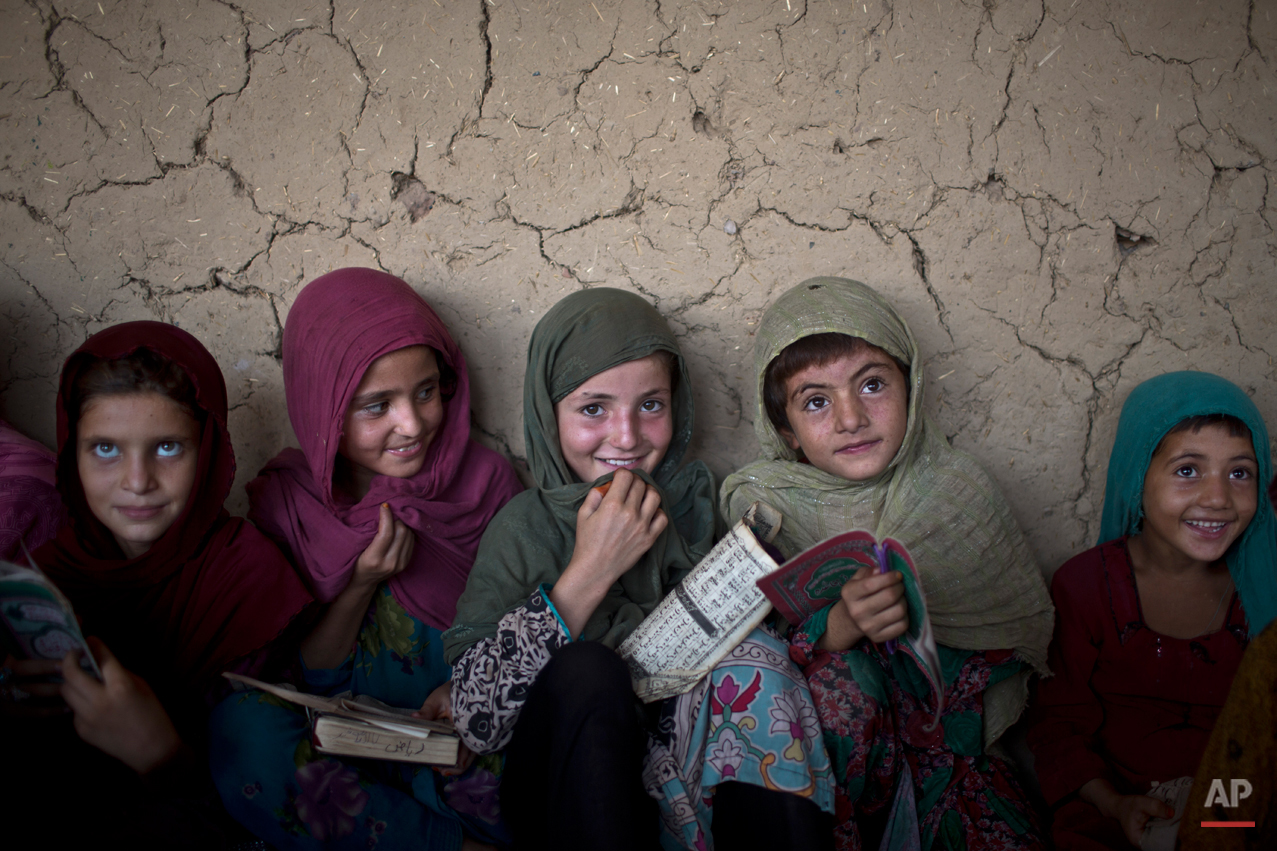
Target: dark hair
pixel 142 371
pixel 1272 492
pixel 814 350
pixel 447 376
pixel 1236 428
pixel 670 359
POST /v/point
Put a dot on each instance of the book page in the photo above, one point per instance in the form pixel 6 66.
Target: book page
pixel 39 619
pixel 362 708
pixel 703 618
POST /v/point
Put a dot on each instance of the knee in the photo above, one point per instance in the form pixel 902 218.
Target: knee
pixel 585 675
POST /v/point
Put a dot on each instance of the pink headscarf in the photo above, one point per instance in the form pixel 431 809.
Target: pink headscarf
pixel 30 508
pixel 341 323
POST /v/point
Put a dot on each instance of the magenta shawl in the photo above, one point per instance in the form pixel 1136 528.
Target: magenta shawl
pixel 341 323
pixel 30 508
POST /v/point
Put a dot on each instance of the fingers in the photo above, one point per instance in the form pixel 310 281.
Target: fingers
pixel 385 537
pixel 876 604
pixel 400 550
pixel 592 501
pixel 78 689
pixel 437 705
pixel 34 667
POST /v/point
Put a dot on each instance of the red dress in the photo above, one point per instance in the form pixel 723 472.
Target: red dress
pixel 1126 703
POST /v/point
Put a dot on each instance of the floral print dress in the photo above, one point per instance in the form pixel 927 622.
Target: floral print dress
pixel 273 781
pixel 933 784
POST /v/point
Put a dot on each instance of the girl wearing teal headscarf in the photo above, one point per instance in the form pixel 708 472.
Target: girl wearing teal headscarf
pixel 1152 623
pixel 738 760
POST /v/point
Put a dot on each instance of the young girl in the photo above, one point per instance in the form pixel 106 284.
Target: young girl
pixel 846 446
pixel 565 573
pixel 1153 623
pixel 382 509
pixel 156 569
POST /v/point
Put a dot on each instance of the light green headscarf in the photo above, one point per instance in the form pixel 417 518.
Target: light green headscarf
pixel 531 539
pixel 984 591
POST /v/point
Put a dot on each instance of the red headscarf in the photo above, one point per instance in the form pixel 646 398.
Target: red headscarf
pixel 209 592
pixel 339 324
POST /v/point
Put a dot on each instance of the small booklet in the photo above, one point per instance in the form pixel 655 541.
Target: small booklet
pixel 813 579
pixel 1160 834
pixel 39 622
pixel 365 727
pixel 707 614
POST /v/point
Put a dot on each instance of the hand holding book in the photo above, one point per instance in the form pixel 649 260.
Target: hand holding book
pixel 438 707
pixel 121 715
pixel 818 577
pixel 871 604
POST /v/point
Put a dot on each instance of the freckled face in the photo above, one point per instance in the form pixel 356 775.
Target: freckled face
pixel 393 418
pixel 137 456
pixel 848 417
pixel 618 418
pixel 1200 492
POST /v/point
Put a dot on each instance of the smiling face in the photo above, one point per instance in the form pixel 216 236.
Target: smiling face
pixel 1200 492
pixel 618 418
pixel 848 416
pixel 137 456
pixel 392 419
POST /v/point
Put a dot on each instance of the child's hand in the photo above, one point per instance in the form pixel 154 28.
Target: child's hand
pixel 120 715
pixel 389 553
pixel 871 605
pixel 30 689
pixel 613 531
pixel 1134 811
pixel 438 706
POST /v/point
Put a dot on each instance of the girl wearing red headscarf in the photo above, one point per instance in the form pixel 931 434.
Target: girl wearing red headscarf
pixel 156 569
pixel 382 509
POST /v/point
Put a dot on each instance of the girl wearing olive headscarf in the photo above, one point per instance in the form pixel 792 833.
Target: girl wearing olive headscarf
pixel 564 573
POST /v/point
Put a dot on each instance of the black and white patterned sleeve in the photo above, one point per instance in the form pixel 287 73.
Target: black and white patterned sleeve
pixel 490 681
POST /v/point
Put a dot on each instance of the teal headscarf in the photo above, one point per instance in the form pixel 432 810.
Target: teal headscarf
pixel 531 540
pixel 1152 410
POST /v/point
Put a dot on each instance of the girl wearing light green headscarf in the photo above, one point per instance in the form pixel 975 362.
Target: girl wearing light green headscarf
pixel 534 669
pixel 987 602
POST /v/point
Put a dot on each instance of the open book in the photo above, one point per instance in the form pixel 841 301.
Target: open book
pixel 707 614
pixel 365 727
pixel 813 579
pixel 38 620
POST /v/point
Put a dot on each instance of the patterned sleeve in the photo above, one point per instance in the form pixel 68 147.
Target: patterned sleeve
pixel 490 681
pixel 803 640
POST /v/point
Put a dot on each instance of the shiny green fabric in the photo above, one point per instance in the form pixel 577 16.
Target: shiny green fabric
pixel 531 540
pixel 984 591
pixel 1152 410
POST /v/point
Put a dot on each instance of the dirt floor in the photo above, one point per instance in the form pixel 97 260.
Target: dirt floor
pixel 1063 198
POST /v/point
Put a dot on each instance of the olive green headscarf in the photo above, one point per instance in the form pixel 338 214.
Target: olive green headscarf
pixel 531 540
pixel 984 591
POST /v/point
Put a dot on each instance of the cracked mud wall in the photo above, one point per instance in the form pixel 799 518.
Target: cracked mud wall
pixel 1063 198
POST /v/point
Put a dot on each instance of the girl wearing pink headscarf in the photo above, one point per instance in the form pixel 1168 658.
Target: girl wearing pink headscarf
pixel 382 510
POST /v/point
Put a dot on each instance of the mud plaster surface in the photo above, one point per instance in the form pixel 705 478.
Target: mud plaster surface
pixel 1063 199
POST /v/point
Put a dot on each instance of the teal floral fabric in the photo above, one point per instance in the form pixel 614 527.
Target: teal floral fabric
pixel 273 781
